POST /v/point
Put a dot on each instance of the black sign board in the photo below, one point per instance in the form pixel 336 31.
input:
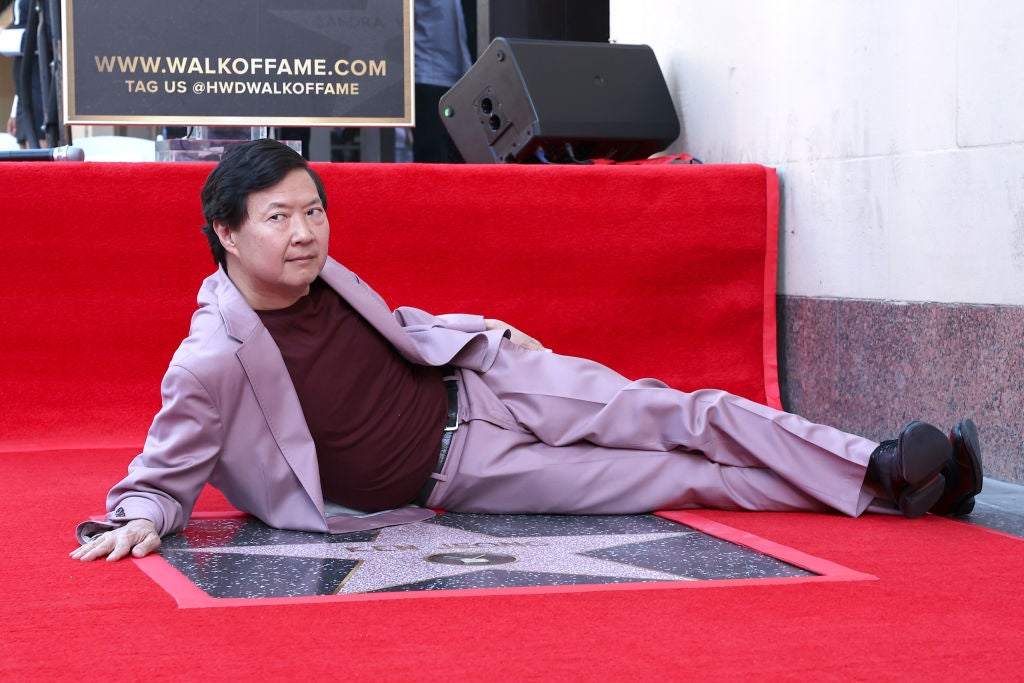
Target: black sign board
pixel 238 62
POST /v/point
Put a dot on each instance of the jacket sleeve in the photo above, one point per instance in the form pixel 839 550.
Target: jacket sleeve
pixel 413 318
pixel 180 452
pixel 457 339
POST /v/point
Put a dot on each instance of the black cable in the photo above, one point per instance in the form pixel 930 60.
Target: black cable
pixel 54 129
pixel 46 81
pixel 572 156
pixel 28 60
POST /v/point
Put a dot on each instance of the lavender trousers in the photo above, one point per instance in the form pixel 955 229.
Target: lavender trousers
pixel 544 433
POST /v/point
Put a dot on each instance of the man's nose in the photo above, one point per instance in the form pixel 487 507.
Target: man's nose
pixel 302 231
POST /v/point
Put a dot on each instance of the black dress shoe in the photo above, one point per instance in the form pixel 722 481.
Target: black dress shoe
pixel 910 468
pixel 964 475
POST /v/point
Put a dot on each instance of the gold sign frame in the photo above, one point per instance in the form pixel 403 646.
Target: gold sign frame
pixel 256 89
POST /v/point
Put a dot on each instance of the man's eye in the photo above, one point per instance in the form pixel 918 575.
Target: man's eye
pixel 315 212
pixel 277 217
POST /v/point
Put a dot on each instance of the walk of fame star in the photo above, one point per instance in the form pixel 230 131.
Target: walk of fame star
pixel 243 558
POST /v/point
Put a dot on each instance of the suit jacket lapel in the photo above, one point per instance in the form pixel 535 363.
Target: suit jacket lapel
pixel 371 306
pixel 275 393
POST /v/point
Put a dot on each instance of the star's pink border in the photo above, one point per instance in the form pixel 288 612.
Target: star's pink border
pixel 188 595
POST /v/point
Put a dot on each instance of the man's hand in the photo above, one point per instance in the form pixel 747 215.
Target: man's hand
pixel 524 340
pixel 138 537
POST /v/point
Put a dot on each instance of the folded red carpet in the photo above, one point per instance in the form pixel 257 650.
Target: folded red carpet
pixel 664 271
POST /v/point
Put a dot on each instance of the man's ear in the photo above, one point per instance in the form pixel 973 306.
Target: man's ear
pixel 226 236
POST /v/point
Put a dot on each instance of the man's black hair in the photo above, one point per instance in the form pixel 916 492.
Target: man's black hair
pixel 245 168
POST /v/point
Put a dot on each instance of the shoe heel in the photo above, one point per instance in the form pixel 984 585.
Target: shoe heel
pixel 963 507
pixel 918 501
pixel 926 452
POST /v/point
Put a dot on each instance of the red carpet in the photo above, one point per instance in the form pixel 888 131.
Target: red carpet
pixel 945 606
pixel 100 285
pixel 665 272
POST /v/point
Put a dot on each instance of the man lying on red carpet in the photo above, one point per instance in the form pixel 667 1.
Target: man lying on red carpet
pixel 312 406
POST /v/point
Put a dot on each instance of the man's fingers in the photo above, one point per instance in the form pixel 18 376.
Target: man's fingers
pixel 137 540
pixel 531 344
pixel 91 549
pixel 148 545
pixel 122 546
pixel 136 543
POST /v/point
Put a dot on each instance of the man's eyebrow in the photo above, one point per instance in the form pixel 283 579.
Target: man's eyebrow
pixel 315 201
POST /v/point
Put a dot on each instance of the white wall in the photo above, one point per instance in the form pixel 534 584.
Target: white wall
pixel 897 127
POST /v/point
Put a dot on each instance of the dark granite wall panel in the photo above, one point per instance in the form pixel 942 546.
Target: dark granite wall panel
pixel 869 367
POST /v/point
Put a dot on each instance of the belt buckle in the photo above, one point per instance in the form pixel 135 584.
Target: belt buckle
pixel 451 386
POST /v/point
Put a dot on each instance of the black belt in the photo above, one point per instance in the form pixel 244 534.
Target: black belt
pixel 450 427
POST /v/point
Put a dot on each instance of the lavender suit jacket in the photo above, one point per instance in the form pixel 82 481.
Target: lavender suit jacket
pixel 231 417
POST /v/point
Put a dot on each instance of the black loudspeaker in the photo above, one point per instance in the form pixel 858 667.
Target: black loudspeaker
pixel 558 101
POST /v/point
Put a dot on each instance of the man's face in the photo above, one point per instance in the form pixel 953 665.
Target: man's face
pixel 281 245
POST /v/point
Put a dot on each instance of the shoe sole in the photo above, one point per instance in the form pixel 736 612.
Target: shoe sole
pixel 924 452
pixel 965 433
